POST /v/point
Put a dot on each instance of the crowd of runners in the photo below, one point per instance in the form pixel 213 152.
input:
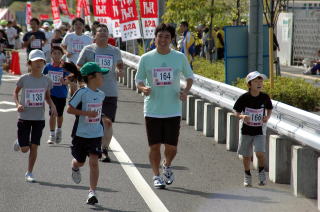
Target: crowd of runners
pixel 80 70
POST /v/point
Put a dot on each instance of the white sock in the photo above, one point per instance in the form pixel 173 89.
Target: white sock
pixel 52 133
pixel 58 130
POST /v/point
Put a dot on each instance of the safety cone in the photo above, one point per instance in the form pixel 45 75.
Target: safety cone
pixel 15 64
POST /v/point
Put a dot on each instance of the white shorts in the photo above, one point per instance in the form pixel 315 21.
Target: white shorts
pixel 246 142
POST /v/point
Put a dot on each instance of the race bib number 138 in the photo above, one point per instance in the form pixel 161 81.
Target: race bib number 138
pixel 34 97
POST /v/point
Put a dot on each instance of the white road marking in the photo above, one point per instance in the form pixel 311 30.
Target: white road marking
pixel 9 78
pixel 152 200
pixel 7 103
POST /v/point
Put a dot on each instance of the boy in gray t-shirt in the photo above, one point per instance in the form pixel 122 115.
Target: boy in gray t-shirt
pixel 35 90
pixel 106 56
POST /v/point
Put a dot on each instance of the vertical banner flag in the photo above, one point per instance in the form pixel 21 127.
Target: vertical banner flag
pixel 79 8
pixel 55 13
pixel 87 12
pixel 129 22
pixel 114 14
pixel 149 17
pixel 100 11
pixel 28 13
pixel 64 7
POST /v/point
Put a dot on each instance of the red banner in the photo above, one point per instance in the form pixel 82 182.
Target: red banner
pixel 101 11
pixel 64 7
pixel 55 13
pixel 114 15
pixel 149 8
pixel 149 17
pixel 28 13
pixel 44 17
pixel 129 22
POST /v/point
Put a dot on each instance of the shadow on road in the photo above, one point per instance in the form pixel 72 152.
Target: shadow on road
pixel 127 122
pixel 101 208
pixel 61 145
pixel 73 186
pixel 135 102
pixel 260 199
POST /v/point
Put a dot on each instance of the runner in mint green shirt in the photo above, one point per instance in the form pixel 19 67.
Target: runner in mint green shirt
pixel 158 78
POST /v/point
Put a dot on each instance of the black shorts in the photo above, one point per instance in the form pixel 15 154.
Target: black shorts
pixel 163 130
pixel 60 104
pixel 82 147
pixel 27 127
pixel 109 107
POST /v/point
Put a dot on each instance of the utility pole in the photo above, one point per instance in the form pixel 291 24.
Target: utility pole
pixel 255 36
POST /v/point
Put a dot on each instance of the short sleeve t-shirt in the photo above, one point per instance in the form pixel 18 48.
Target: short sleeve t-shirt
pixel 88 100
pixel 253 106
pixel 37 42
pixel 162 74
pixel 75 44
pixel 56 42
pixel 11 33
pixel 55 74
pixel 33 96
pixel 108 58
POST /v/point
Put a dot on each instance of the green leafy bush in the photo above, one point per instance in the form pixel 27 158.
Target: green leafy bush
pixel 213 71
pixel 293 91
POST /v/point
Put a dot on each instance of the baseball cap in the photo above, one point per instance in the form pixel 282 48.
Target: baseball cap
pixel 3 22
pixel 36 54
pixel 255 74
pixel 46 24
pixel 92 67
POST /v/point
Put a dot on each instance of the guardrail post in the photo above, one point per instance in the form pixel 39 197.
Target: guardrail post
pixel 198 122
pixel 133 82
pixel 208 122
pixel 129 77
pixel 279 159
pixel 190 110
pixel 319 183
pixel 232 132
pixel 125 79
pixel 184 110
pixel 304 171
pixel 220 125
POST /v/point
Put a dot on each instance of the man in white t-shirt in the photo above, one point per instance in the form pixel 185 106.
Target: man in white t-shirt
pixel 74 42
pixel 47 46
pixel 11 34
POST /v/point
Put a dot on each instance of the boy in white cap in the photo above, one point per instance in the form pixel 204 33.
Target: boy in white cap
pixel 254 108
pixel 35 90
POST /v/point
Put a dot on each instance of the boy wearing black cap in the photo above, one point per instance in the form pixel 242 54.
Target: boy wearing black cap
pixel 254 108
pixel 86 104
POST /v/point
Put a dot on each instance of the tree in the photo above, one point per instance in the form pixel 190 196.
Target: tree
pixel 224 12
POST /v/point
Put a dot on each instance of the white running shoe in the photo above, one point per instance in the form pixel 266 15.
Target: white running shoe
pixel 16 146
pixel 92 198
pixel 168 174
pixel 29 177
pixel 58 136
pixel 247 182
pixel 158 182
pixel 262 178
pixel 51 139
pixel 76 176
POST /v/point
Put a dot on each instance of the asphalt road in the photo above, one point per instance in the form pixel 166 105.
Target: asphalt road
pixel 208 178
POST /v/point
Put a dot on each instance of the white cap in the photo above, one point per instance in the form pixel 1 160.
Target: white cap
pixel 36 54
pixel 45 24
pixel 255 74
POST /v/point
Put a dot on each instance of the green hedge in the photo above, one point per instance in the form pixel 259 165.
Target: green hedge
pixel 293 91
pixel 213 71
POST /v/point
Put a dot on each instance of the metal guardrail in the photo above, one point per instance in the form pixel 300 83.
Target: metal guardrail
pixel 292 122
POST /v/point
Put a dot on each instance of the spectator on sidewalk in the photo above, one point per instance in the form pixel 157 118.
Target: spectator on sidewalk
pixel 188 42
pixel 12 34
pixel 18 44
